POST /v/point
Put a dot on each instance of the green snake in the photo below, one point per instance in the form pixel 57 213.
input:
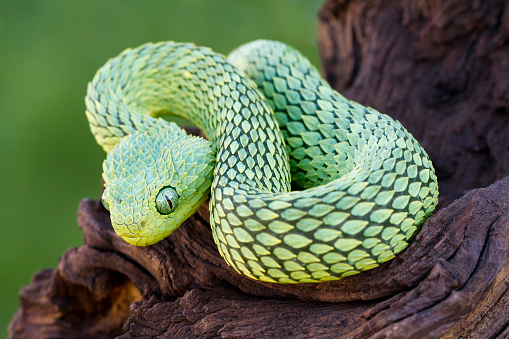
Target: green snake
pixel 362 185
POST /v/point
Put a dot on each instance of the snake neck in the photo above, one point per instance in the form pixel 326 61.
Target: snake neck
pixel 131 90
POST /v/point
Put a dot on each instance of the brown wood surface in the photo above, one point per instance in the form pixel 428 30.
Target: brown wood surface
pixel 442 69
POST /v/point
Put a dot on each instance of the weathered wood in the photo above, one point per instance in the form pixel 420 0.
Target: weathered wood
pixel 440 67
pixel 452 276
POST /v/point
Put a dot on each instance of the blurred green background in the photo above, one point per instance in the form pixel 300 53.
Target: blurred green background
pixel 49 50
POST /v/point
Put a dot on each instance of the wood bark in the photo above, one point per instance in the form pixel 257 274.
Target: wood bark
pixel 442 69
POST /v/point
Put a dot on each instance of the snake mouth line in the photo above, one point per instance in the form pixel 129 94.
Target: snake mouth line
pixel 128 235
pixel 125 235
pixel 132 239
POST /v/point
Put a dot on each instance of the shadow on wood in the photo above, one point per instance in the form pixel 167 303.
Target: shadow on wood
pixel 440 67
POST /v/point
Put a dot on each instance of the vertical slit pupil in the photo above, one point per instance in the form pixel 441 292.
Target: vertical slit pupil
pixel 168 199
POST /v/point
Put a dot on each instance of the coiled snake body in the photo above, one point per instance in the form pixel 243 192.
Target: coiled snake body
pixel 366 185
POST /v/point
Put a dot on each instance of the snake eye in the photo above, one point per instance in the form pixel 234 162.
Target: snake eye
pixel 167 200
pixel 105 202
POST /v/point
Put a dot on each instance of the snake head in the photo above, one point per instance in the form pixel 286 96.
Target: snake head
pixel 154 180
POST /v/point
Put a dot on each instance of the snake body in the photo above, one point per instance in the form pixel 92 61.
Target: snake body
pixel 364 184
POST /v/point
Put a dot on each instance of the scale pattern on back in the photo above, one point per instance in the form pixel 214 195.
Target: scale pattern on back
pixel 339 228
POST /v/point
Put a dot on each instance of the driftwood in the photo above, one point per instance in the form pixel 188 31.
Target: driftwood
pixel 440 67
